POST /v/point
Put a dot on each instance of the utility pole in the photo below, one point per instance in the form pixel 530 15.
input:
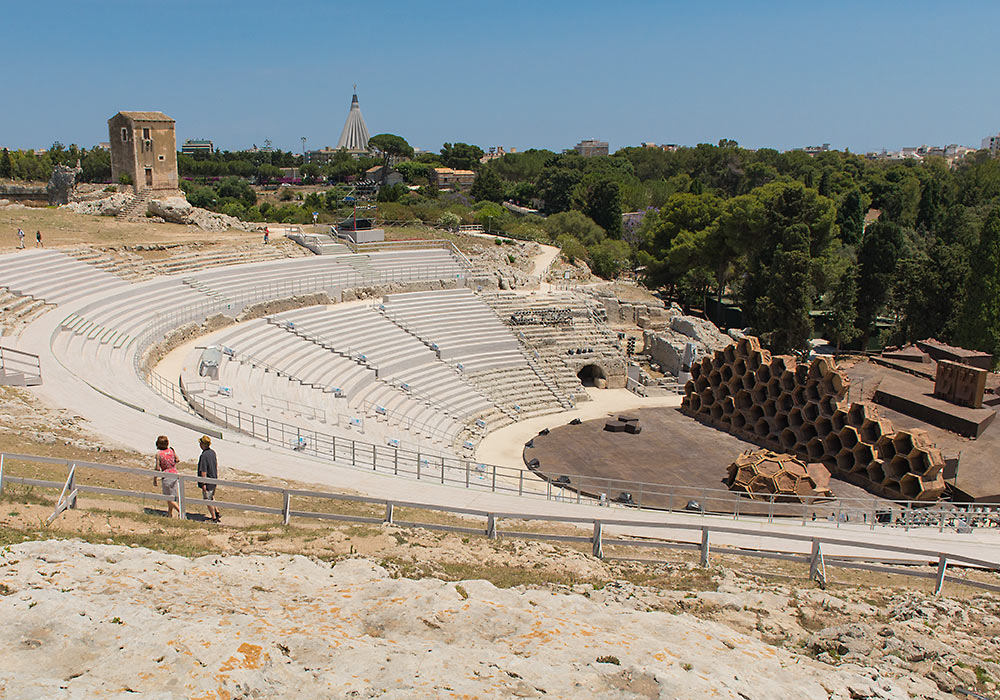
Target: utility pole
pixel 303 149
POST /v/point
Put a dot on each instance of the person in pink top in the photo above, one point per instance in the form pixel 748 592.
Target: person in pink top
pixel 166 462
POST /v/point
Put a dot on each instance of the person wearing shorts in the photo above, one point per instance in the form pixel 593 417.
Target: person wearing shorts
pixel 166 462
pixel 208 466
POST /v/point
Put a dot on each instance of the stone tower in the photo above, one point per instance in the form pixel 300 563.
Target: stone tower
pixel 143 146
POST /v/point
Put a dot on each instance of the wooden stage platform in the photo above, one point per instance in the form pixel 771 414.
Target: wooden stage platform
pixel 671 449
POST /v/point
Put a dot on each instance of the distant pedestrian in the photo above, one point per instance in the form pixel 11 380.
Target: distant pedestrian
pixel 38 239
pixel 20 238
pixel 208 466
pixel 166 462
pixel 267 235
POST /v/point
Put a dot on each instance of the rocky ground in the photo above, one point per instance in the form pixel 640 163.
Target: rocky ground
pixel 113 599
pixel 85 620
pixel 237 611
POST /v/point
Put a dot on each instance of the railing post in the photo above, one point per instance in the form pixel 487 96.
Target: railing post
pixel 70 483
pixel 388 513
pixel 1 472
pixel 703 562
pixel 598 539
pixel 494 487
pixel 941 569
pixel 181 498
pixel 467 468
pixel 817 568
pixel 491 526
pixel 520 480
pixel 286 507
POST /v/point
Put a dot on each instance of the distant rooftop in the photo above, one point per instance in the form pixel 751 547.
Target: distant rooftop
pixel 147 116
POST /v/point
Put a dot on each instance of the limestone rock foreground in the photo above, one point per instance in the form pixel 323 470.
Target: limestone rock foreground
pixel 84 621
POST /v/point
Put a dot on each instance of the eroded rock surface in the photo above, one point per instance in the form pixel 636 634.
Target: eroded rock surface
pixel 80 620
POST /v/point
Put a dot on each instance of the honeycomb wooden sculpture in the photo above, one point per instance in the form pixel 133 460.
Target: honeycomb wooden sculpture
pixel 763 475
pixel 801 409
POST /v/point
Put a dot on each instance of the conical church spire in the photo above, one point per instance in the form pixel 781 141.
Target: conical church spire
pixel 354 137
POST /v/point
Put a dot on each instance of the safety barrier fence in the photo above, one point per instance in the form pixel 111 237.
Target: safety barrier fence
pixel 705 538
pixel 25 363
pixel 457 471
pixel 424 465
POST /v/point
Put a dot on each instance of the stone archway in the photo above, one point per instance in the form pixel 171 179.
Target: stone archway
pixel 593 375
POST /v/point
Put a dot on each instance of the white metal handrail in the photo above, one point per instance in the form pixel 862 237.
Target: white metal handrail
pixel 788 545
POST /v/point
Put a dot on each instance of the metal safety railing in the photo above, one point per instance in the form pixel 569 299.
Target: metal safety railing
pixel 706 539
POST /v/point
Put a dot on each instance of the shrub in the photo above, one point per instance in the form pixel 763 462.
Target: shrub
pixel 450 220
pixel 608 659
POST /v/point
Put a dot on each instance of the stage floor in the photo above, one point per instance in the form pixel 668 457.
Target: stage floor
pixel 672 449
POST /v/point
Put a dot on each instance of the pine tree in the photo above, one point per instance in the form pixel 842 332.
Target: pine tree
pixel 488 186
pixel 980 324
pixel 6 169
pixel 842 323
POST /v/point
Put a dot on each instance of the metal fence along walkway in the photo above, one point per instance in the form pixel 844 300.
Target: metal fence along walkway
pixel 817 552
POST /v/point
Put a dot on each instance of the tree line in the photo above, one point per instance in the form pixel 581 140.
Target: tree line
pixel 864 252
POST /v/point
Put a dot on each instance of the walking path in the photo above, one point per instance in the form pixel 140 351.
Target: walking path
pixel 127 427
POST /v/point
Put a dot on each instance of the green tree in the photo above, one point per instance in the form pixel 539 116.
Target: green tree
pixel 461 156
pixel 391 193
pixel 843 313
pixel 609 257
pixel 555 188
pixel 603 204
pixel 782 312
pixel 786 218
pixel 6 169
pixel 310 172
pixel 391 147
pixel 237 188
pixel 96 165
pixel 450 220
pixel 491 215
pixel 573 224
pixel 488 186
pixel 267 173
pixel 878 256
pixel 980 325
pixel 851 217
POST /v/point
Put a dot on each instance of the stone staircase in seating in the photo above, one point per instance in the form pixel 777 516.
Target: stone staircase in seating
pixel 135 210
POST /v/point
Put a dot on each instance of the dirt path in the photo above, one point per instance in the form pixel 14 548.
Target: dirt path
pixel 542 261
pixel 504 446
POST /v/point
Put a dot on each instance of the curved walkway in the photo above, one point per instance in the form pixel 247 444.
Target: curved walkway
pixel 130 428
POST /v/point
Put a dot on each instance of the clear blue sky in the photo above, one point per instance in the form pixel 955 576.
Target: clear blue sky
pixel 861 75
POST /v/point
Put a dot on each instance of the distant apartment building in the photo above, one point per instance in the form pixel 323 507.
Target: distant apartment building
pixel 192 146
pixel 813 150
pixel 445 178
pixel 661 146
pixel 991 144
pixel 950 153
pixel 494 153
pixel 144 148
pixel 591 147
pixel 321 155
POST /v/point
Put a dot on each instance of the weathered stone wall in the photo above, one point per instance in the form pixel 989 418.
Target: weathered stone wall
pixel 666 347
